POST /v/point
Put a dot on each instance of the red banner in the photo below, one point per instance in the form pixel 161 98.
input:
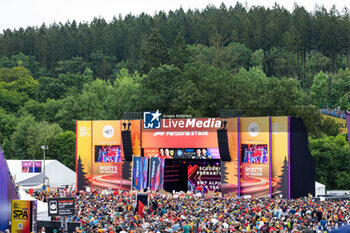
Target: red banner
pixel 183 133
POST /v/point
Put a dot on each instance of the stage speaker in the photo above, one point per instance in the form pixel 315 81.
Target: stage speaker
pixel 127 144
pixel 223 145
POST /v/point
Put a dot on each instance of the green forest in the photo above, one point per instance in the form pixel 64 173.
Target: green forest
pixel 259 61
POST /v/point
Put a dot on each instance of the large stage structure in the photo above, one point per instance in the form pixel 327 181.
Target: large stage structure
pixel 255 156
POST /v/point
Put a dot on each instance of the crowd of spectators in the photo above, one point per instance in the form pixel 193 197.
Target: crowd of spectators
pixel 333 113
pixel 116 211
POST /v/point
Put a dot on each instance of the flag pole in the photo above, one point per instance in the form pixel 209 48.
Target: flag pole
pixel 149 174
pixel 132 173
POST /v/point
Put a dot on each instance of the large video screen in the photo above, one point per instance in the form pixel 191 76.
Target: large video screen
pixel 108 154
pixel 205 175
pixel 27 167
pixel 253 153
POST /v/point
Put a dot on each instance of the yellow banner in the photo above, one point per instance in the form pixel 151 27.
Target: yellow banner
pixel 341 123
pixel 255 130
pixel 107 154
pixel 83 153
pixel 254 157
pixel 136 137
pixel 21 216
pixel 106 133
pixel 229 170
pixel 280 134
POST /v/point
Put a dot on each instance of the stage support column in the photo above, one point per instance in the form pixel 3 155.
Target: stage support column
pixel 270 155
pixel 289 169
pixel 76 155
pixel 239 155
pixel 92 155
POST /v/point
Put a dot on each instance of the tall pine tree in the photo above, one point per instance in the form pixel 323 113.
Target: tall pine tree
pixel 179 53
pixel 284 179
pixel 82 180
pixel 155 52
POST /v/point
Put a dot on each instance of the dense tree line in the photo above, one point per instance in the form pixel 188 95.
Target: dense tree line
pixel 295 44
pixel 261 61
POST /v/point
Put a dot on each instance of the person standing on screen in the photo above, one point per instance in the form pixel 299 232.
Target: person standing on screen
pixel 104 156
pixel 205 154
pixel 246 155
pixel 118 155
pixel 250 156
pixel 112 154
pixel 198 154
pixel 161 153
pixel 99 155
pixel 264 156
pixel 109 158
pixel 167 154
pixel 258 154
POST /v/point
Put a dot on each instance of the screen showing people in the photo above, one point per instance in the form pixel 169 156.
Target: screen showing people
pixel 204 176
pixel 108 154
pixel 189 153
pixel 30 167
pixel 254 153
pixel 202 153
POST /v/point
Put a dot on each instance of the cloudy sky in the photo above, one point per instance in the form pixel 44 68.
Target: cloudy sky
pixel 22 13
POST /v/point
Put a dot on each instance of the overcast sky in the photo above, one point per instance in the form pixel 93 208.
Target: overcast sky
pixel 23 13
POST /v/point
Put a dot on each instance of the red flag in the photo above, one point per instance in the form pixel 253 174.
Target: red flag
pixel 31 191
pixel 140 209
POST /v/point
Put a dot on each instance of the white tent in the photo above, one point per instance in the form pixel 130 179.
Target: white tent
pixel 320 189
pixel 57 173
pixel 37 180
pixel 42 206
